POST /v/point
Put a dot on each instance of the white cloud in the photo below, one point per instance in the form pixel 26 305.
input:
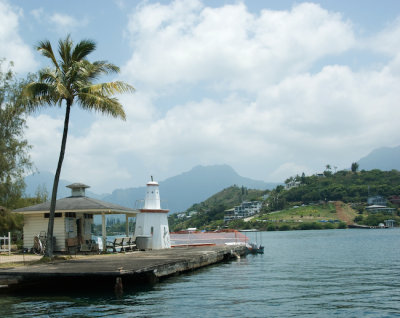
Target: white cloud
pixel 223 85
pixel 185 42
pixel 65 23
pixel 12 46
pixel 386 41
pixel 44 134
pixel 38 14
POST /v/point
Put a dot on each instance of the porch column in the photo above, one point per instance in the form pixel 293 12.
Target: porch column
pixel 103 230
pixel 126 225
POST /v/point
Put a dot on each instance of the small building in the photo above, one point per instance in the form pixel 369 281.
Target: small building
pixel 379 209
pixel 230 215
pixel 394 199
pixel 246 209
pixel 73 218
pixel 389 223
pixel 292 184
pixel 376 200
pixel 152 222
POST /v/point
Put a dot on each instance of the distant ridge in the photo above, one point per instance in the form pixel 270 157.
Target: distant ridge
pixel 178 193
pixel 46 178
pixel 384 158
pixel 194 186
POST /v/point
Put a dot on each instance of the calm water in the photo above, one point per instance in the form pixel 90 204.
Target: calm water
pixel 331 273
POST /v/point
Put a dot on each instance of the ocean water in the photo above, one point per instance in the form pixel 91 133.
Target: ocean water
pixel 329 273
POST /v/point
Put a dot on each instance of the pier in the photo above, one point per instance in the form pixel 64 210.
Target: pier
pixel 103 271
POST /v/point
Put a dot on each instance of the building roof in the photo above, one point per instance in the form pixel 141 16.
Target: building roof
pixel 77 185
pixel 79 204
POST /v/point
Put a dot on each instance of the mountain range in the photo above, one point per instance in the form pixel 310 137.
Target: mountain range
pixel 178 193
pixel 385 158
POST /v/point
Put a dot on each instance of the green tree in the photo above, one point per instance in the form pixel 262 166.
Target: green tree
pixel 70 80
pixel 354 167
pixel 9 222
pixel 14 157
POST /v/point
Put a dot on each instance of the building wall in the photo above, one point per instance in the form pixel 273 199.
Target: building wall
pixel 35 223
pixel 156 226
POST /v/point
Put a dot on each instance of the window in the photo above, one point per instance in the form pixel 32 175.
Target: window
pixel 56 215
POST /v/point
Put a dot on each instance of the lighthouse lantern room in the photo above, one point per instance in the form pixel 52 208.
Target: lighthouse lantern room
pixel 152 221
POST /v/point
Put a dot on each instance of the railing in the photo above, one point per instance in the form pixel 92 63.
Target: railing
pixel 139 204
pixel 5 243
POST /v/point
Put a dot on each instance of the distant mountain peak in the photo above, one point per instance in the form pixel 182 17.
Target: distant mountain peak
pixel 180 191
pixel 384 158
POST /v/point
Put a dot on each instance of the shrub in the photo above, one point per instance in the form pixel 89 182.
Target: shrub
pixel 342 225
pixel 310 226
pixel 329 226
pixel 284 227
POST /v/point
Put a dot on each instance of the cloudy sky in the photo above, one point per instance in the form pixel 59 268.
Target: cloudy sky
pixel 271 88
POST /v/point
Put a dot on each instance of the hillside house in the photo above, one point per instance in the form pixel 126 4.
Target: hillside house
pixel 380 209
pixel 292 184
pixel 246 209
pixel 394 199
pixel 376 200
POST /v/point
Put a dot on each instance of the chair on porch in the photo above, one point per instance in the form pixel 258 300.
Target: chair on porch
pixel 72 245
pixel 117 243
pixel 89 246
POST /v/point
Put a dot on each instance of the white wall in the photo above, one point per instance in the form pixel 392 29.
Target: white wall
pixel 35 223
pixel 159 223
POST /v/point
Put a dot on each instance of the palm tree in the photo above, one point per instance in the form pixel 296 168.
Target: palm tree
pixel 70 80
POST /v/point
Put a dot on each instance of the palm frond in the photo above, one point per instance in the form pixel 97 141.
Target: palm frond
pixel 64 49
pixel 94 70
pixel 36 94
pixel 83 49
pixel 45 48
pixel 103 104
pixel 110 88
pixel 48 75
pixel 106 67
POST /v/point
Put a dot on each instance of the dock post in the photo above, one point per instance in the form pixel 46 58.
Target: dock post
pixel 127 225
pixel 103 231
pixel 9 243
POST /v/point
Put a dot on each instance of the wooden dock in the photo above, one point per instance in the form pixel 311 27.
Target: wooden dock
pixel 103 271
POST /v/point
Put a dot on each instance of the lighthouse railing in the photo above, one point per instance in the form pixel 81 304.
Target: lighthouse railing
pixel 139 204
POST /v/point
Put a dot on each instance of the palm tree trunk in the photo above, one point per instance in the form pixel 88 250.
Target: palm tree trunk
pixel 50 229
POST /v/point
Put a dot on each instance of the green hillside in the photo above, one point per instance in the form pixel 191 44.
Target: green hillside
pixel 209 214
pixel 346 186
pixel 330 200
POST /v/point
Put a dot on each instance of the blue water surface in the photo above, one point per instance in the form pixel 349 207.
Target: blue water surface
pixel 329 273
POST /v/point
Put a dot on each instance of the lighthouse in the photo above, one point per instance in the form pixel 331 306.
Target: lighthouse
pixel 152 221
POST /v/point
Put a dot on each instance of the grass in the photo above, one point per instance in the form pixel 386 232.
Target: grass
pixel 311 213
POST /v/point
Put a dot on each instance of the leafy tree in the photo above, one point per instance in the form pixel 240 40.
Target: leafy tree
pixel 9 222
pixel 71 79
pixel 14 157
pixel 354 167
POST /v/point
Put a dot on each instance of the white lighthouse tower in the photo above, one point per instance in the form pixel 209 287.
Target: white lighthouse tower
pixel 152 221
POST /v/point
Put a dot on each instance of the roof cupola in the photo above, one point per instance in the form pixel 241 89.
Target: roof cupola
pixel 78 189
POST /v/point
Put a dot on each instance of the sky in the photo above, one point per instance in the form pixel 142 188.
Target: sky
pixel 271 88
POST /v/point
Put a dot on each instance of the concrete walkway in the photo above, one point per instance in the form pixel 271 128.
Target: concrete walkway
pixel 18 258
